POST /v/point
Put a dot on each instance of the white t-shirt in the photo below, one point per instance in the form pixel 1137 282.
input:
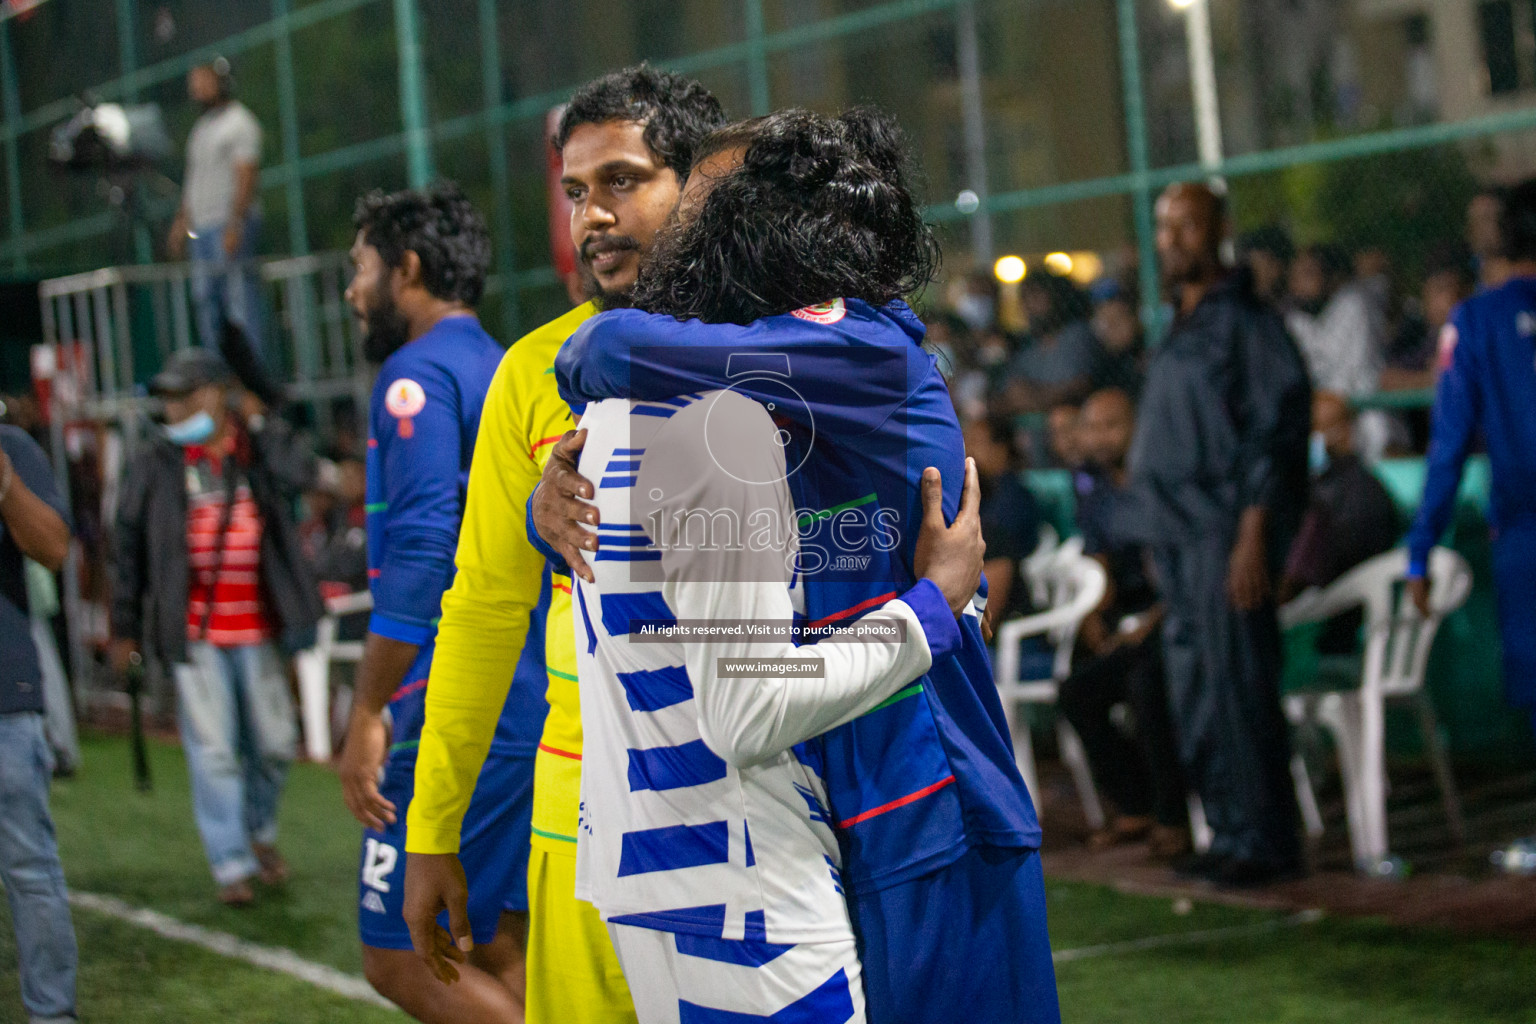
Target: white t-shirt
pixel 221 139
pixel 1342 345
pixel 697 814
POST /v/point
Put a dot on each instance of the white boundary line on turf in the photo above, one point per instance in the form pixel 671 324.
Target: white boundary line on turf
pixel 272 958
pixel 1305 917
pixel 285 961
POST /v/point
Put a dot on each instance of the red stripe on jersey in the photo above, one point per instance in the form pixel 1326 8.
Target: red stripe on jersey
pixel 408 689
pixel 861 606
pixel 541 442
pixel 901 801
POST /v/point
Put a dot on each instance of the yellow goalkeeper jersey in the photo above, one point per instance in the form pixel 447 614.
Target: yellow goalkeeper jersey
pixel 485 614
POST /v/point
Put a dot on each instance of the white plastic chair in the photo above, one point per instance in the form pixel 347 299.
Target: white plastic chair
pixel 1075 586
pixel 1397 649
pixel 1032 567
pixel 313 668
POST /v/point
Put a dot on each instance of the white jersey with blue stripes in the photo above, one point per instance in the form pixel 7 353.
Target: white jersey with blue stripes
pixel 697 815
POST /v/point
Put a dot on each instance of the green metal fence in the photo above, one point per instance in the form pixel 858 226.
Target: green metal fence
pixel 1040 126
pixel 1062 117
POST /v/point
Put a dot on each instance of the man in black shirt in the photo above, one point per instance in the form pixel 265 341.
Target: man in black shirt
pixel 1220 458
pixel 34 524
pixel 1120 650
pixel 1351 518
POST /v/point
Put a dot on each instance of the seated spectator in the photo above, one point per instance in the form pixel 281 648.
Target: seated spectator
pixel 1267 253
pixel 1335 322
pixel 975 301
pixel 1122 356
pixel 1056 364
pixel 1485 238
pixel 1341 331
pixel 1063 447
pixel 340 541
pixel 1373 276
pixel 1010 523
pixel 1448 281
pixel 1350 518
pixel 1120 652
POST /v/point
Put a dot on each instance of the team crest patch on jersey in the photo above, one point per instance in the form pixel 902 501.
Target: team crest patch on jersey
pixel 823 312
pixel 404 401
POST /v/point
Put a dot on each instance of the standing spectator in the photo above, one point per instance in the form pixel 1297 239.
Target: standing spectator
pixel 1010 522
pixel 1488 388
pixel 36 526
pixel 1123 650
pixel 1122 356
pixel 1349 519
pixel 208 554
pixel 1056 365
pixel 1268 253
pixel 1342 332
pixel 220 211
pixel 1220 458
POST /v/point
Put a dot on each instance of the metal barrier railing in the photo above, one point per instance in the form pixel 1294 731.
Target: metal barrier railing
pixel 107 331
pixel 115 327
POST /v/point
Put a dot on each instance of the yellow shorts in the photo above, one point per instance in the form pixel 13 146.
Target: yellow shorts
pixel 573 975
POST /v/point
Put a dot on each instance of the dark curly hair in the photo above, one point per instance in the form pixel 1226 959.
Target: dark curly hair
pixel 820 208
pixel 441 226
pixel 677 112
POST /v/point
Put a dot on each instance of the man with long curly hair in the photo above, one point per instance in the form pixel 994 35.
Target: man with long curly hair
pixel 781 282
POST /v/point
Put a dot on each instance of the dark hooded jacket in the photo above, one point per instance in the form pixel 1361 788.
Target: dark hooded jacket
pixel 151 573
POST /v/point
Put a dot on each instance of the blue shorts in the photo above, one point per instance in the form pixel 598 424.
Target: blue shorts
pixel 493 850
pixel 966 942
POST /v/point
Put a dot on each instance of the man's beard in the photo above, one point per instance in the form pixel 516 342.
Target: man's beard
pixel 385 328
pixel 601 297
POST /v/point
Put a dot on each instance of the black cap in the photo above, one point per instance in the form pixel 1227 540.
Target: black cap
pixel 188 370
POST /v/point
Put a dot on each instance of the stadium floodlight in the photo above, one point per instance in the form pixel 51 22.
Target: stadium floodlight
pixel 1010 269
pixel 1059 263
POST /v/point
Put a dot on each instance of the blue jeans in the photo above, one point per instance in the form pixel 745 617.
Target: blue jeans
pixel 239 734
pixel 225 287
pixel 32 874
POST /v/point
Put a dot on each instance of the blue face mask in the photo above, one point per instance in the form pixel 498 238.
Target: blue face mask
pixel 1317 455
pixel 195 429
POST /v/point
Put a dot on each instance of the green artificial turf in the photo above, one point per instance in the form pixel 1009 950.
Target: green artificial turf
pixel 144 849
pixel 1260 967
pixel 131 976
pixel 1335 972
